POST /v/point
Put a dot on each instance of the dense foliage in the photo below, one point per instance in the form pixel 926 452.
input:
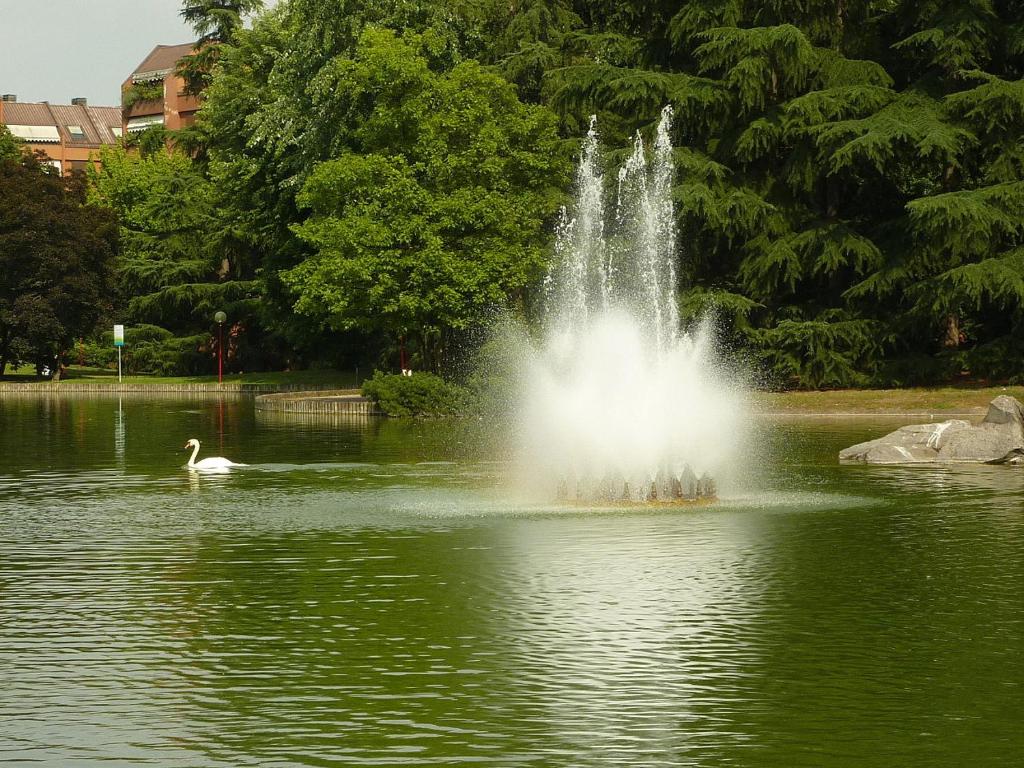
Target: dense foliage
pixel 379 176
pixel 10 148
pixel 215 22
pixel 429 231
pixel 165 211
pixel 56 260
pixel 180 264
pixel 851 189
pixel 137 93
pixel 396 188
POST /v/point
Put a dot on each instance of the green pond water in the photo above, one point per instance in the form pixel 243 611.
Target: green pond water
pixel 366 593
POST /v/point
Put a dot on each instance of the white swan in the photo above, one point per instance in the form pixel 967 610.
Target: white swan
pixel 213 462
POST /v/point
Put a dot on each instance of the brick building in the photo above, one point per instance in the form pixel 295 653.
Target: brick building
pixel 70 135
pixel 174 109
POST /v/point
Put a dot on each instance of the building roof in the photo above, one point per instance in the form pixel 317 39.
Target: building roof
pixel 107 121
pixel 38 121
pixel 22 113
pixel 160 61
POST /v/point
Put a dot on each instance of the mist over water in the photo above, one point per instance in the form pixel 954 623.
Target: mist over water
pixel 616 390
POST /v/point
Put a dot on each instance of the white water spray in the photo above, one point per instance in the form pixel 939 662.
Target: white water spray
pixel 619 403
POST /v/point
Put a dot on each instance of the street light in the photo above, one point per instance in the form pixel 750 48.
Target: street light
pixel 221 318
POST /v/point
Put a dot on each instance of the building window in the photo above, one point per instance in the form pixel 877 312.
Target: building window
pixel 117 130
pixel 79 165
pixel 76 133
pixel 55 164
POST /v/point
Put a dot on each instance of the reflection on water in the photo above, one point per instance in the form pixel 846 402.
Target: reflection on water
pixel 366 593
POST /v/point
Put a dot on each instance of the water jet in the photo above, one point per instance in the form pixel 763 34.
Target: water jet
pixel 620 403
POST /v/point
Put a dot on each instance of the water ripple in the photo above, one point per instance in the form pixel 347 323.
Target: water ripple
pixel 395 612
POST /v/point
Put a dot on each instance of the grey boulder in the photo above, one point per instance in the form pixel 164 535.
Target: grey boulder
pixel 994 439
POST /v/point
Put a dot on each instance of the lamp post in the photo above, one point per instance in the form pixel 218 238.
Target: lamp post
pixel 220 317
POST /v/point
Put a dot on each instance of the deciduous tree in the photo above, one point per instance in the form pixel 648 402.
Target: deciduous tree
pixel 393 186
pixel 436 215
pixel 56 257
pixel 10 147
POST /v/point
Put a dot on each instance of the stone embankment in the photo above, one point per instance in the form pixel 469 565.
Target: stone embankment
pixel 330 402
pixel 269 398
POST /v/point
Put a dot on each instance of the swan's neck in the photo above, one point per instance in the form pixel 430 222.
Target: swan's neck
pixel 195 452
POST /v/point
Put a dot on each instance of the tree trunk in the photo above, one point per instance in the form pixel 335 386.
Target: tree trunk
pixel 949 178
pixel 840 24
pixel 831 198
pixel 951 338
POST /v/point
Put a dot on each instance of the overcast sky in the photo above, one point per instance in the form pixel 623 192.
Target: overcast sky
pixel 55 50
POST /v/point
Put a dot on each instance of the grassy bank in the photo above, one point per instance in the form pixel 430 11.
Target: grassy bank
pixel 933 400
pixel 312 379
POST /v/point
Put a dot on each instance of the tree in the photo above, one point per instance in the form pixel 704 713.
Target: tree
pixel 848 169
pixel 56 255
pixel 311 99
pixel 179 264
pixel 214 21
pixel 217 20
pixel 436 214
pixel 849 187
pixel 10 147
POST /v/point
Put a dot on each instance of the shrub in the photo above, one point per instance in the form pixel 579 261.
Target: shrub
pixel 1001 359
pixel 918 370
pixel 149 349
pixel 169 356
pixel 95 353
pixel 422 394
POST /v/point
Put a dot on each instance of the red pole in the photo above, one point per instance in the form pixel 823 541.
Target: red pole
pixel 220 355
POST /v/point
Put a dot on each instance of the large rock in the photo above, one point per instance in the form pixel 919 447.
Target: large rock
pixel 1001 432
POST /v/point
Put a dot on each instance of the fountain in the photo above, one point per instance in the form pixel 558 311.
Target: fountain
pixel 620 405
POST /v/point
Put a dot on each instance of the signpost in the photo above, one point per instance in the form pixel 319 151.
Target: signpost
pixel 118 342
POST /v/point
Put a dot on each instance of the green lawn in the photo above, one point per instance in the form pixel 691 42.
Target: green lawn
pixel 316 378
pixel 844 401
pixel 881 401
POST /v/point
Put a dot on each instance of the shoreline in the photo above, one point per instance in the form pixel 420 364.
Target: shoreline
pixel 227 388
pixel 927 403
pixel 943 415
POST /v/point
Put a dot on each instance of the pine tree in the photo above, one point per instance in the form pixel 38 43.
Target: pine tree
pixel 214 22
pixel 847 170
pixel 179 263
